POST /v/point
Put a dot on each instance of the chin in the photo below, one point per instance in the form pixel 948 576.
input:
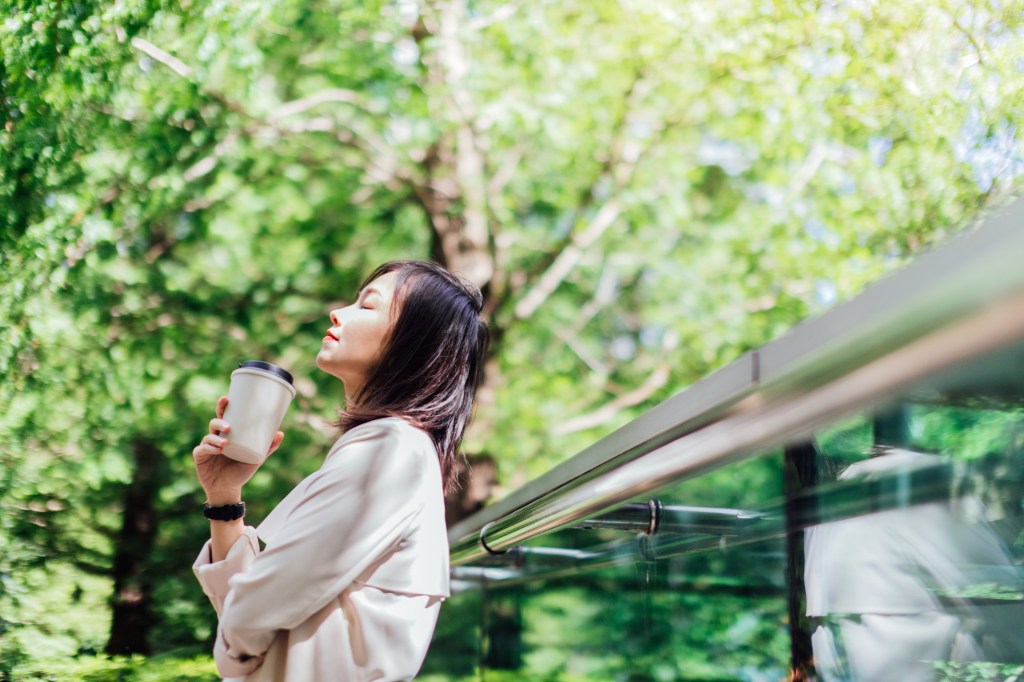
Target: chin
pixel 324 365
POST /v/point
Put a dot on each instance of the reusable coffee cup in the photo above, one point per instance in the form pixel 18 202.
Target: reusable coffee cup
pixel 258 397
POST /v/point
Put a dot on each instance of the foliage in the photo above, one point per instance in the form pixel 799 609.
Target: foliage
pixel 979 672
pixel 968 434
pixel 120 669
pixel 634 622
pixel 984 591
pixel 512 676
pixel 643 191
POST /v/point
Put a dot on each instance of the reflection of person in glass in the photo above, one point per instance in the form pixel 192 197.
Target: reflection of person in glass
pixel 891 591
pixel 355 567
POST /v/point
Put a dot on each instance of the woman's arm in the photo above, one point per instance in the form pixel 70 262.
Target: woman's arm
pixel 224 534
pixel 353 512
pixel 222 478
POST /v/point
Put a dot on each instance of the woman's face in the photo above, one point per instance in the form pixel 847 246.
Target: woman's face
pixel 350 349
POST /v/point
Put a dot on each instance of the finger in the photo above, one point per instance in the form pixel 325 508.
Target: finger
pixel 274 444
pixel 219 426
pixel 206 450
pixel 222 404
pixel 215 440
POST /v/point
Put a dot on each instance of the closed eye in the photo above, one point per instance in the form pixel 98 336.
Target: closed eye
pixel 366 295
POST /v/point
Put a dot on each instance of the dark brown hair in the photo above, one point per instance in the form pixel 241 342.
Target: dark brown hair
pixel 431 360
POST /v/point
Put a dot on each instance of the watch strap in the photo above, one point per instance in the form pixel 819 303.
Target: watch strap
pixel 227 512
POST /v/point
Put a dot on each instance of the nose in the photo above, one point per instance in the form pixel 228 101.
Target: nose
pixel 335 318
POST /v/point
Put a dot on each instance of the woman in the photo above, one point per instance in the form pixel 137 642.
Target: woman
pixel 355 566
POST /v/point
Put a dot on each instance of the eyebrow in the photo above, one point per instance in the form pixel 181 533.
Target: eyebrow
pixel 370 290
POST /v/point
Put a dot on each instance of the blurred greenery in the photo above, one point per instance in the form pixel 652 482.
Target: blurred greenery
pixel 643 191
pixel 120 669
pixel 979 672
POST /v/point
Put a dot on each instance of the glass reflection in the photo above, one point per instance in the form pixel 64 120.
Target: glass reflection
pixel 927 589
pixel 888 589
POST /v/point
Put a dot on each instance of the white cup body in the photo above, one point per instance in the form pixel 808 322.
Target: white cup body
pixel 257 402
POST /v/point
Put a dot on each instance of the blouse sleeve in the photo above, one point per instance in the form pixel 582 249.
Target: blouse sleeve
pixel 353 511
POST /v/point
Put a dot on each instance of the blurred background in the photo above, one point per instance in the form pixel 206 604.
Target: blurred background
pixel 643 191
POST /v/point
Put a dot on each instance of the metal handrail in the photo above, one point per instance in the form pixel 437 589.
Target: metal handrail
pixel 956 302
pixel 661 531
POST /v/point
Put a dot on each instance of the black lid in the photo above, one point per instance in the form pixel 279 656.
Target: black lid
pixel 268 367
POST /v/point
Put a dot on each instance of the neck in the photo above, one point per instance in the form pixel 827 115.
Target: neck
pixel 352 390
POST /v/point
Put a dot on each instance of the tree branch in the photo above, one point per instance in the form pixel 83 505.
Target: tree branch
pixel 618 168
pixel 589 360
pixel 170 61
pixel 607 284
pixel 208 163
pixel 570 256
pixel 297 106
pixel 504 173
pixel 502 13
pixel 658 378
pixel 971 39
pixel 383 164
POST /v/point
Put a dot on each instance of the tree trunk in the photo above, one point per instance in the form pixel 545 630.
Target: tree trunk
pixel 891 427
pixel 131 605
pixel 800 474
pixel 466 250
pixel 503 630
pixel 461 238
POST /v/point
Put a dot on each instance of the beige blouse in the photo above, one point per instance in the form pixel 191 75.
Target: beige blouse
pixel 354 571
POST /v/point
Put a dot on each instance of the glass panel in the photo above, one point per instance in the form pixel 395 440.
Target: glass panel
pixel 455 650
pixel 929 585
pixel 914 546
pixel 887 546
pixel 703 599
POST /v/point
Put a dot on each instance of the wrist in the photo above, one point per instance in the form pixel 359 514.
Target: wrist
pixel 224 513
pixel 219 499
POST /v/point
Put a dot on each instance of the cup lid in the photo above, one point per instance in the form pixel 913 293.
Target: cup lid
pixel 268 367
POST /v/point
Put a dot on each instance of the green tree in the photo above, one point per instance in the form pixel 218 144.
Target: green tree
pixel 642 191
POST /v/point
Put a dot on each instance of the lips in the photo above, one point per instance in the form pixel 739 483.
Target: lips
pixel 330 335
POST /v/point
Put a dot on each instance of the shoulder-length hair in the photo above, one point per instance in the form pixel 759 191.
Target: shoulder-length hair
pixel 431 360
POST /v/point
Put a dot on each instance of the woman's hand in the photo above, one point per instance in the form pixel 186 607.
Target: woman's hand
pixel 222 477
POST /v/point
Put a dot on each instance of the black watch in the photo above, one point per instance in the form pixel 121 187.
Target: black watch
pixel 229 512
